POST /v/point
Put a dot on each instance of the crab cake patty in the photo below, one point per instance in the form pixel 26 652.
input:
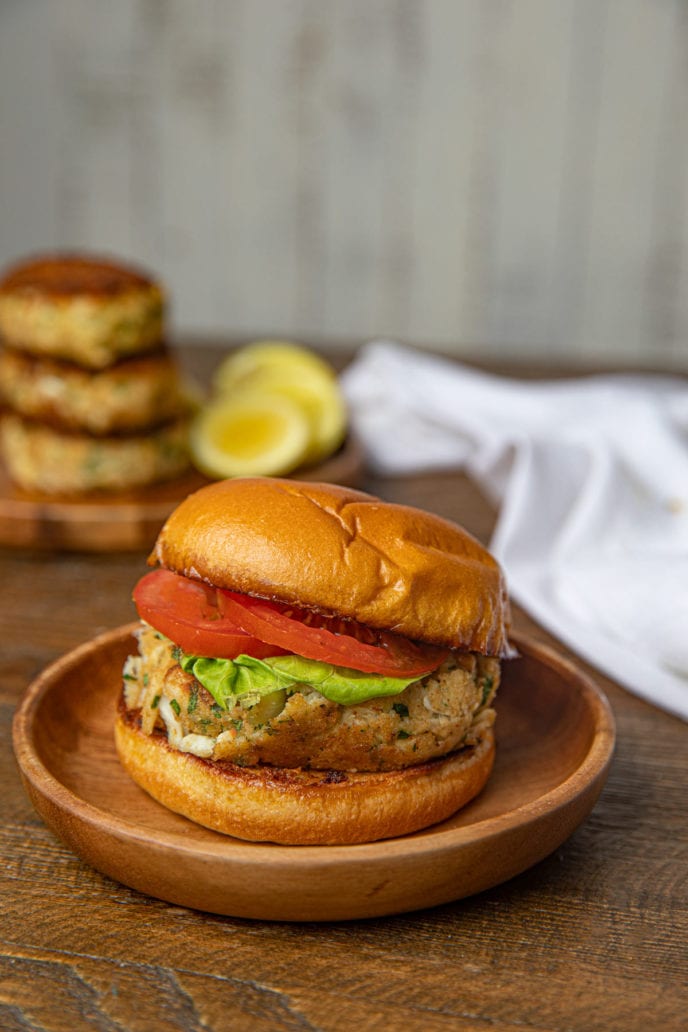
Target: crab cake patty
pixel 80 308
pixel 434 716
pixel 40 458
pixel 134 394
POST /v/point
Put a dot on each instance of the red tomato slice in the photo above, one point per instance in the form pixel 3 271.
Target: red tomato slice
pixel 392 655
pixel 186 612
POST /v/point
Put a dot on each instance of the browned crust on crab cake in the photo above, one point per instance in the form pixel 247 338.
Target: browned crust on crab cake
pixel 65 274
pixel 81 308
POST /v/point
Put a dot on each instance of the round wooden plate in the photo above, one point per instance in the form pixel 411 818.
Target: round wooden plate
pixel 554 745
pixel 129 520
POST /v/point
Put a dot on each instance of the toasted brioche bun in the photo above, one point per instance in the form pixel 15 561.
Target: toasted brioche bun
pixel 80 308
pixel 296 806
pixel 340 551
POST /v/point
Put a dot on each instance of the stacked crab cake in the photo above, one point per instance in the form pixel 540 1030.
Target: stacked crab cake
pixel 92 399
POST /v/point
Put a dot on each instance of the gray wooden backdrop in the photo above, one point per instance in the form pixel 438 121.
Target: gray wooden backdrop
pixel 504 175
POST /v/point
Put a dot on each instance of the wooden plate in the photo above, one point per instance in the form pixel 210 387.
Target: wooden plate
pixel 128 520
pixel 555 742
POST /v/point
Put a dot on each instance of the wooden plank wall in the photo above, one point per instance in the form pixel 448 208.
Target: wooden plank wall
pixel 502 174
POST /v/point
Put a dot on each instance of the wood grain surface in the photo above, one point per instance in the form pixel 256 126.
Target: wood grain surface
pixel 593 937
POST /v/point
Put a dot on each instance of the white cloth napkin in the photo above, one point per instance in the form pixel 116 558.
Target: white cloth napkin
pixel 590 477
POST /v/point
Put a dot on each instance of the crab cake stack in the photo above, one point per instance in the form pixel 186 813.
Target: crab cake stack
pixel 92 399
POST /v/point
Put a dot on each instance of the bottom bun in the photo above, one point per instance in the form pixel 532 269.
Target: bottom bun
pixel 296 806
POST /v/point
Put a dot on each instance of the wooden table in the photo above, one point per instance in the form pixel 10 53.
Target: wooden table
pixel 594 937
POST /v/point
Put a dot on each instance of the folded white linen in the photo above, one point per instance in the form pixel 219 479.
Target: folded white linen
pixel 590 478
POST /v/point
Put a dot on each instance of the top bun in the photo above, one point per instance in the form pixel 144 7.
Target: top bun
pixel 340 551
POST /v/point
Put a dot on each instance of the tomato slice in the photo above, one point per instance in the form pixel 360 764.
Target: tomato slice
pixel 206 621
pixel 186 612
pixel 391 654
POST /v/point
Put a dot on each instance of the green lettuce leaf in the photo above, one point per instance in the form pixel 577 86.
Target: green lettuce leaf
pixel 227 679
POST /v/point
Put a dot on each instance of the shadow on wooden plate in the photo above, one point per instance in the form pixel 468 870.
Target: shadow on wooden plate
pixel 128 520
pixel 554 745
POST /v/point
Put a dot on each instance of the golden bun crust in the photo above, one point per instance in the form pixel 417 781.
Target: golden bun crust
pixel 301 807
pixel 341 551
